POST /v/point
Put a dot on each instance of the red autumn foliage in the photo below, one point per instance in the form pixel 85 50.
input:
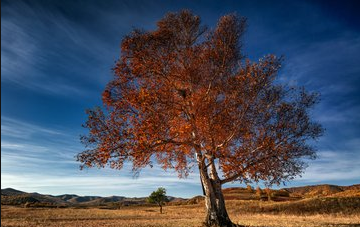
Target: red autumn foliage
pixel 184 94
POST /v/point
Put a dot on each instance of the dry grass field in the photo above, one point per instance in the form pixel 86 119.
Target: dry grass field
pixel 174 216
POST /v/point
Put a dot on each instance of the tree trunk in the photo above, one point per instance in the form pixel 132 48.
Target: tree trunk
pixel 160 209
pixel 216 214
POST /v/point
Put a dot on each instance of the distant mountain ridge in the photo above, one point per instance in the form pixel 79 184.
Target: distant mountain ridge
pixel 10 196
pixel 11 191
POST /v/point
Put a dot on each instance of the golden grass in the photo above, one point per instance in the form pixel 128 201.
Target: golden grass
pixel 347 193
pixel 344 205
pixel 126 217
pixel 281 220
pixel 174 216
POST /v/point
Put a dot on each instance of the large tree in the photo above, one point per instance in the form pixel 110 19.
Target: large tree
pixel 184 95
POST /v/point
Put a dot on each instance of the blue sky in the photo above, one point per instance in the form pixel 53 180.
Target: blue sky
pixel 56 58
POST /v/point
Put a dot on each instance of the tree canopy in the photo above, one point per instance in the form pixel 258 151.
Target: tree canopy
pixel 184 95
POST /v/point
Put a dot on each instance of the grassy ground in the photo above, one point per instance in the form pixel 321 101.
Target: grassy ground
pixel 343 205
pixel 174 216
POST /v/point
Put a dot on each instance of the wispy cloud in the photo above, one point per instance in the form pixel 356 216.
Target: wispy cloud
pixel 36 53
pixel 332 166
pixel 19 129
pixel 17 52
pixel 344 113
pixel 327 66
pixel 31 148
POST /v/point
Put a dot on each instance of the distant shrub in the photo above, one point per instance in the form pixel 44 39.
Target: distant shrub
pixel 281 192
pixel 259 192
pixel 268 193
pixel 249 188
